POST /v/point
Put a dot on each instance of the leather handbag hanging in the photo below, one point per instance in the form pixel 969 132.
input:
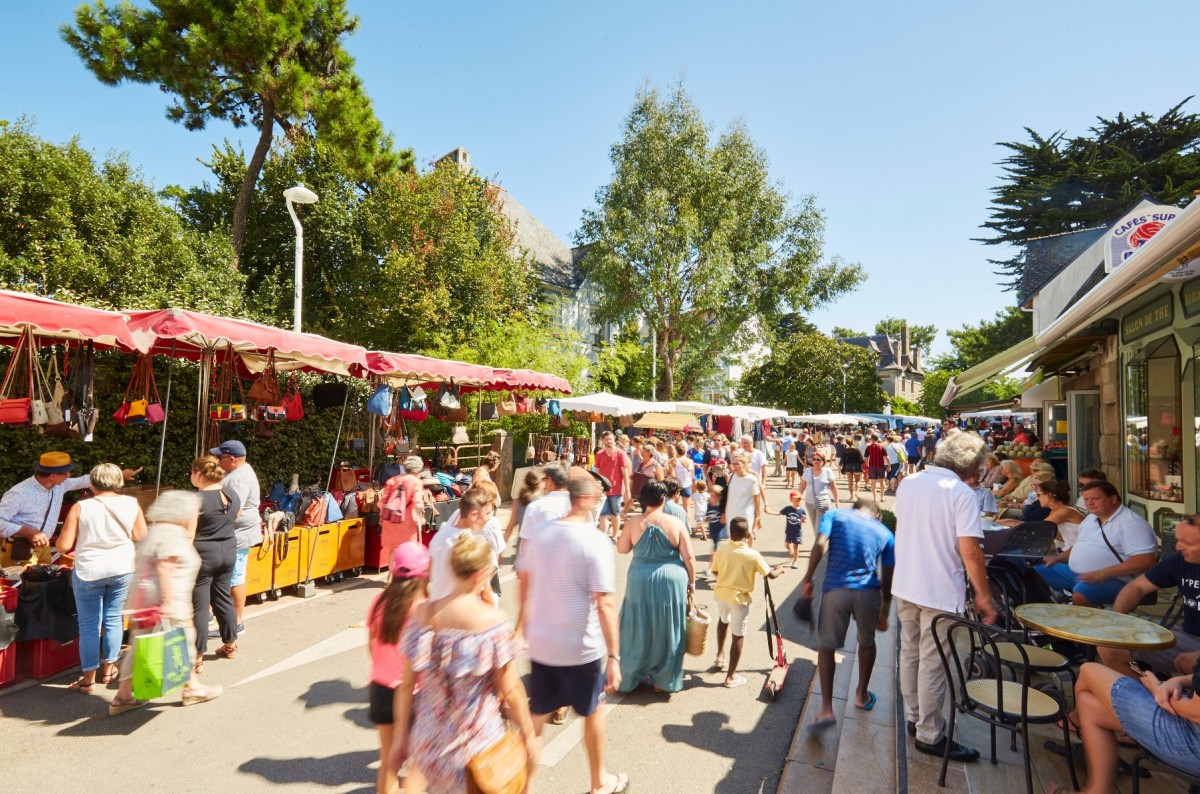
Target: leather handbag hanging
pixel 487 412
pixel 268 397
pixel 412 409
pixel 14 410
pixel 507 406
pixel 459 436
pixel 292 403
pixel 329 394
pixel 524 404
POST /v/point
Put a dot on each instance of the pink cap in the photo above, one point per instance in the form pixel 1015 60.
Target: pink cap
pixel 410 560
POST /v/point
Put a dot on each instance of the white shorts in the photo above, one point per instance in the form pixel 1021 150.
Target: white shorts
pixel 736 615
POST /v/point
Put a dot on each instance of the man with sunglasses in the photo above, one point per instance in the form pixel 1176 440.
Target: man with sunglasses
pixel 1182 570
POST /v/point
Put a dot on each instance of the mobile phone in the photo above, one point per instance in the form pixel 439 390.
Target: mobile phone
pixel 1141 668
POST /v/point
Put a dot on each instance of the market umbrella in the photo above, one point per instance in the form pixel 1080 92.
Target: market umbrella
pixel 400 369
pixel 55 321
pixel 610 404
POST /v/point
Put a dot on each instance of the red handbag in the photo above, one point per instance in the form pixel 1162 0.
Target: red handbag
pixel 523 404
pixel 293 405
pixel 14 411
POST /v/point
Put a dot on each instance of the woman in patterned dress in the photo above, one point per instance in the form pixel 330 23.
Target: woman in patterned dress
pixel 462 651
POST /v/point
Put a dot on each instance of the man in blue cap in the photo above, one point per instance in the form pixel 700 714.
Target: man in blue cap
pixel 240 480
pixel 29 510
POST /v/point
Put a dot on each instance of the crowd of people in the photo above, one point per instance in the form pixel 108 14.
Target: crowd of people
pixel 444 689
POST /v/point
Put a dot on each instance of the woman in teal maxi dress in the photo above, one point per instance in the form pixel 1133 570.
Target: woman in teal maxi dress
pixel 654 612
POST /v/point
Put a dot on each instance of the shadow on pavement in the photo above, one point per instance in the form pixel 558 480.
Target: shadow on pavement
pixel 51 703
pixel 332 770
pixel 340 691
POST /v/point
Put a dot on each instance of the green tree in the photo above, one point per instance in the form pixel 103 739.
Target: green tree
pixel 422 262
pixel 249 62
pixel 693 236
pixel 623 366
pixel 804 375
pixel 974 344
pixel 904 407
pixel 97 234
pixel 932 389
pixel 1055 183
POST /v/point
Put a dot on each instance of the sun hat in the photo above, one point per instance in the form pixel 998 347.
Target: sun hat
pixel 410 560
pixel 54 463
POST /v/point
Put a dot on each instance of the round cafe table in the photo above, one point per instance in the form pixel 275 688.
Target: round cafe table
pixel 1091 626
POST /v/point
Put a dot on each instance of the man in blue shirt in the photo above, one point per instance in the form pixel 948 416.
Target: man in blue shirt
pixel 912 448
pixel 858 546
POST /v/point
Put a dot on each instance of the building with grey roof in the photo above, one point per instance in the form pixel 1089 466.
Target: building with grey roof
pixel 898 363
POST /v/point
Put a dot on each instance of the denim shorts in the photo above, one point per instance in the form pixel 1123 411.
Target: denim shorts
pixel 612 505
pixel 239 568
pixel 1173 739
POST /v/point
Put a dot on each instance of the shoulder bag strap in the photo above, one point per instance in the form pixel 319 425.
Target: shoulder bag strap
pixel 121 524
pixel 1108 543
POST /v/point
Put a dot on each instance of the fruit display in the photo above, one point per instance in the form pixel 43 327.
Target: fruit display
pixel 1020 450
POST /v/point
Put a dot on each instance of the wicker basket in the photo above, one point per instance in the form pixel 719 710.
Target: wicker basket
pixel 697 627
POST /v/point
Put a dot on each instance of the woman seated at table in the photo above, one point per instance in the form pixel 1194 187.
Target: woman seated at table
pixel 1023 497
pixel 993 475
pixel 1008 479
pixel 1157 715
pixel 1051 505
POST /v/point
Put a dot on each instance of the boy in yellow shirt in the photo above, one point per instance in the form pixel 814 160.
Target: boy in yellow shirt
pixel 736 565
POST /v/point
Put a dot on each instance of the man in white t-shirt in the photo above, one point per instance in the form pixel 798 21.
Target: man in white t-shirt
pixel 473 515
pixel 552 506
pixel 938 535
pixel 756 459
pixel 744 496
pixel 568 617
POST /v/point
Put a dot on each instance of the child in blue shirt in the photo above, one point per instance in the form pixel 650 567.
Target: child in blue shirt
pixel 793 531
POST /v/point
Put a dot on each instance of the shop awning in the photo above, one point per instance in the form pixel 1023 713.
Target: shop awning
pixel 1065 353
pixel 996 367
pixel 55 321
pixel 192 334
pixel 529 379
pixel 658 421
pixel 409 368
pixel 750 412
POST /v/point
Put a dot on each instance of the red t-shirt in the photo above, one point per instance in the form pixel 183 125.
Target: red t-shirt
pixel 612 463
pixel 876 456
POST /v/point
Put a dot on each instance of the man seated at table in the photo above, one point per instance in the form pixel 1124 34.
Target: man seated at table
pixel 1113 547
pixel 1182 570
pixel 29 510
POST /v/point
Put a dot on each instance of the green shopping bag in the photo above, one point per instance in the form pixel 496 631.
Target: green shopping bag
pixel 162 663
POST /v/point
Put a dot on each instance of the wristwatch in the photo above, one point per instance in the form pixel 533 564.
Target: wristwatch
pixel 614 657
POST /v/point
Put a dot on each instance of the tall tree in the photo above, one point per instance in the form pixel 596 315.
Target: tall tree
pixel 1055 183
pixel 250 62
pixel 804 375
pixel 422 262
pixel 692 236
pixel 97 234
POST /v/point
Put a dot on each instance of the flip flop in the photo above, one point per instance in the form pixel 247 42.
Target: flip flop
pixel 737 681
pixel 719 664
pixel 81 687
pixel 870 704
pixel 824 722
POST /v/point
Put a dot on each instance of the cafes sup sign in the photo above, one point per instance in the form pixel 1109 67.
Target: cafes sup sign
pixel 1136 229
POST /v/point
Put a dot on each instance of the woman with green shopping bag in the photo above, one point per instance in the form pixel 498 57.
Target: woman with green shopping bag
pixel 160 604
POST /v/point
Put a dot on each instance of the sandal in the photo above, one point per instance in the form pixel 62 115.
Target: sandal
pixel 109 675
pixel 81 687
pixel 227 651
pixel 121 706
pixel 198 667
pixel 559 716
pixel 620 784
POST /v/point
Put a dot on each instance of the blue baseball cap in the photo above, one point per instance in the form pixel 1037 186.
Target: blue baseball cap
pixel 235 448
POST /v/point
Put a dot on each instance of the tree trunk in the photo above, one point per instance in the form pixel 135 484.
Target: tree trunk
pixel 666 378
pixel 241 212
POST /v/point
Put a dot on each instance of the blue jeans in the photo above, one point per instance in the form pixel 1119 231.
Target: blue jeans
pixel 99 603
pixel 1060 577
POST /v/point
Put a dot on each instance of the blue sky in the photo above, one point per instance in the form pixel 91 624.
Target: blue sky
pixel 887 112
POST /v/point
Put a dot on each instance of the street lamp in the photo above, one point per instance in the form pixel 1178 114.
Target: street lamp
pixel 843 368
pixel 298 195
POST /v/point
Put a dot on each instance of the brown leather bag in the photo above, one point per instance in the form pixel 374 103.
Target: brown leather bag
pixel 500 769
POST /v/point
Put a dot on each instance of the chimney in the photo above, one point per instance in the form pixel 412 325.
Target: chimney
pixel 916 356
pixel 905 350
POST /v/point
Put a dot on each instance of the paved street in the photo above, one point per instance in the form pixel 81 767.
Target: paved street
pixel 295 714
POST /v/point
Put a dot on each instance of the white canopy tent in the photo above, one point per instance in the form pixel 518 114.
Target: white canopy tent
pixel 995 413
pixel 750 412
pixel 827 419
pixel 612 405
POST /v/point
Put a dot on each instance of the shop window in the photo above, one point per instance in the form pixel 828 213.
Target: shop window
pixel 1153 423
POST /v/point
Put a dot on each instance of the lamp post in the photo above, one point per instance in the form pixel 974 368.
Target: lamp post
pixel 298 195
pixel 843 368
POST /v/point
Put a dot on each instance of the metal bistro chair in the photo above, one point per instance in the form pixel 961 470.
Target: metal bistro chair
pixel 1007 582
pixel 1193 781
pixel 1010 705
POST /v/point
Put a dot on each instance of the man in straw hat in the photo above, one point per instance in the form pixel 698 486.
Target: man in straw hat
pixel 29 510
